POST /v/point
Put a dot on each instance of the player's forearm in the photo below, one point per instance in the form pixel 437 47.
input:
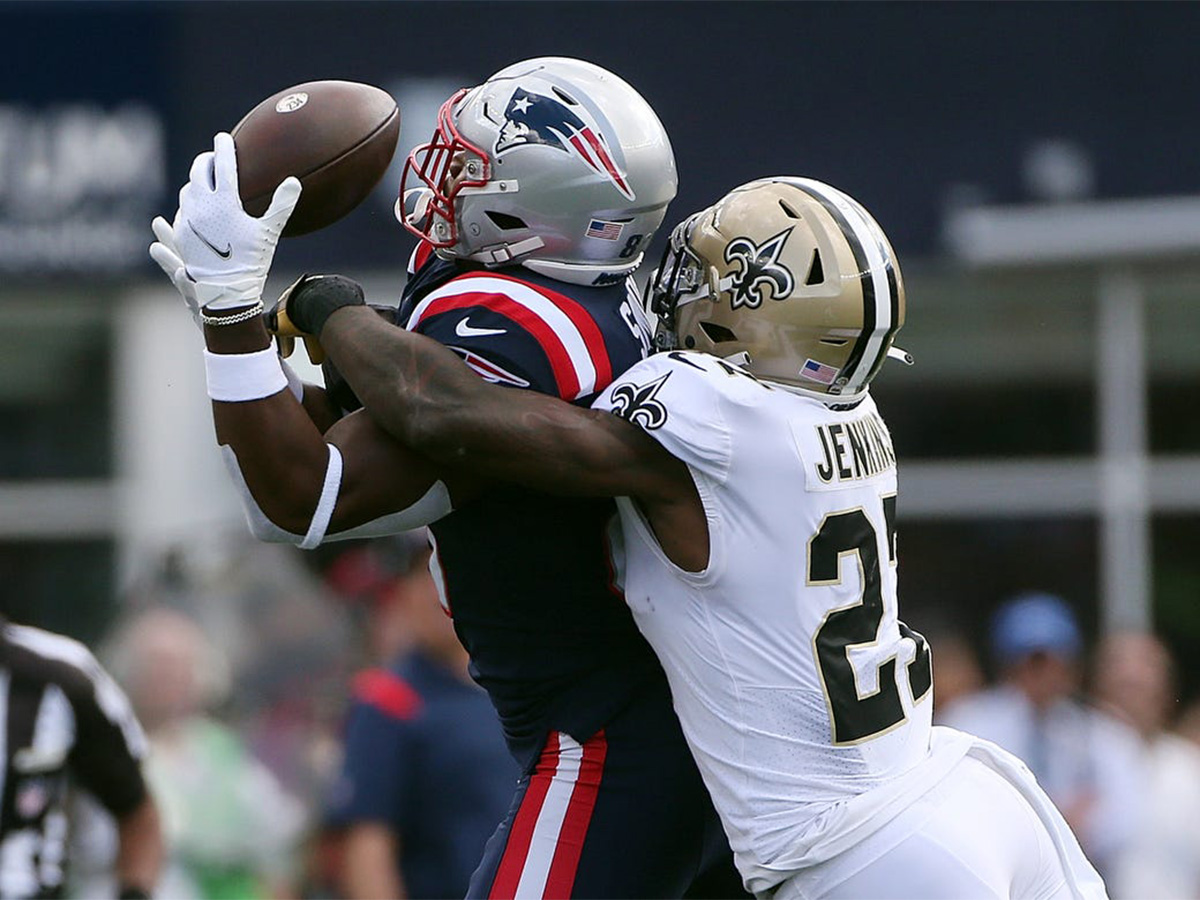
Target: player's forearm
pixel 423 395
pixel 417 390
pixel 141 850
pixel 280 450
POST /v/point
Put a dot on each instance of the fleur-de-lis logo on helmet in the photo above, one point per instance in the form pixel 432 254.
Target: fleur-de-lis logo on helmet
pixel 635 403
pixel 760 272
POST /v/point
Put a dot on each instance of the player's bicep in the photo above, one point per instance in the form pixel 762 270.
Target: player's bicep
pixel 382 480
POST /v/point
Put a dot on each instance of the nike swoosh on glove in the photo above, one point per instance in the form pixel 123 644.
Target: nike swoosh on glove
pixel 225 251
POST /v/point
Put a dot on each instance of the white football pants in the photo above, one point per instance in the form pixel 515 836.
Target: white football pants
pixel 984 831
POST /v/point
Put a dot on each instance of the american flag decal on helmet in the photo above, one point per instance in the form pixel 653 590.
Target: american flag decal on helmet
pixel 605 230
pixel 815 371
pixel 536 119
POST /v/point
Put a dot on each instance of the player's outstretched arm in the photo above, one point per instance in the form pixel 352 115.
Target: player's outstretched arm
pixel 297 484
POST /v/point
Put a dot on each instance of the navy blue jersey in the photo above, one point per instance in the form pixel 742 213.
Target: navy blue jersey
pixel 424 756
pixel 526 576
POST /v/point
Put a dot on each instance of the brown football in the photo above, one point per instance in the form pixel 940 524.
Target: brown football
pixel 337 137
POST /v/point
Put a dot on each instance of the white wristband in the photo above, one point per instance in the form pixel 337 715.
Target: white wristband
pixel 240 377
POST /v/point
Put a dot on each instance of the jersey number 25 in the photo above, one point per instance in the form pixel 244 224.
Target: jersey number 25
pixel 857 718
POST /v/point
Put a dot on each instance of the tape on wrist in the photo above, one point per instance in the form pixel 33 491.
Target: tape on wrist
pixel 295 385
pixel 241 377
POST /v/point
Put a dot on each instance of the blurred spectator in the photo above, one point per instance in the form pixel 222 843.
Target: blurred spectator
pixel 66 725
pixel 956 671
pixel 231 829
pixel 1135 679
pixel 1087 761
pixel 1187 726
pixel 427 776
pixel 283 643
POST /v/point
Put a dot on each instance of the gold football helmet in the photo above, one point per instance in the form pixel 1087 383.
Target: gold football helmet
pixel 790 279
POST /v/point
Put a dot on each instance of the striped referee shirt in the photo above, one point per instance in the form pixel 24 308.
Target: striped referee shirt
pixel 65 722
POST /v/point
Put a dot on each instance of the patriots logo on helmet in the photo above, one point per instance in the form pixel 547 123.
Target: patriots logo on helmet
pixel 636 403
pixel 760 271
pixel 536 119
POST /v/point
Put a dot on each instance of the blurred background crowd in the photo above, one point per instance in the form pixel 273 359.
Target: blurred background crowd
pixel 314 731
pixel 312 726
pixel 1036 168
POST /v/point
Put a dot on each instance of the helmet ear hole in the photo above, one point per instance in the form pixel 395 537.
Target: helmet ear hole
pixel 564 96
pixel 504 221
pixel 718 334
pixel 816 272
pixel 791 213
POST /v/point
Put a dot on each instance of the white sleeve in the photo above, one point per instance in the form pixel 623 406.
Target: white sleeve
pixel 433 505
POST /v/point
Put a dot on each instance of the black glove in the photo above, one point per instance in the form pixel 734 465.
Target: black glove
pixel 314 298
pixel 285 331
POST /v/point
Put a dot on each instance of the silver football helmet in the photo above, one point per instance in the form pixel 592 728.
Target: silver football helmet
pixel 791 279
pixel 553 163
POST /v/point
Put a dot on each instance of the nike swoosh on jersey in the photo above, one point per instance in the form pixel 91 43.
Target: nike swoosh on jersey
pixel 224 254
pixel 462 329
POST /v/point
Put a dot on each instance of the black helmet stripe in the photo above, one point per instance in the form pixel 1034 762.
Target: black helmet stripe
pixel 894 294
pixel 868 285
pixel 877 277
pixel 888 265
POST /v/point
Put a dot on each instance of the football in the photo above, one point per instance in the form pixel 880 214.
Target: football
pixel 337 137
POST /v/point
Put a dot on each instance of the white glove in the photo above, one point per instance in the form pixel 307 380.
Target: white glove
pixel 225 252
pixel 164 252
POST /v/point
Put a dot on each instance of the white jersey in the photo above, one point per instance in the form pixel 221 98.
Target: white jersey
pixel 806 702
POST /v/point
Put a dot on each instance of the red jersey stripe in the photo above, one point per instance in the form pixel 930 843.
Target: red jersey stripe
pixel 593 339
pixel 561 880
pixel 566 379
pixel 420 256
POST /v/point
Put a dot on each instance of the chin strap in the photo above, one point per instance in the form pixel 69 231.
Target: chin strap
pixel 592 274
pixel 504 254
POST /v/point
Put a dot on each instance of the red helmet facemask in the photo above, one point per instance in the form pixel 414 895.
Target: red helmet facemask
pixel 426 202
